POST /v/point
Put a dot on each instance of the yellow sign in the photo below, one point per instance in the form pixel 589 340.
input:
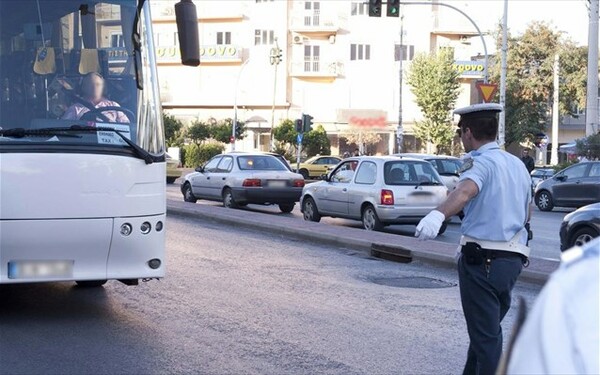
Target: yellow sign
pixel 487 90
pixel 222 52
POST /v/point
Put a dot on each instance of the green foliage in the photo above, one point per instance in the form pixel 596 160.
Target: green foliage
pixel 559 167
pixel 196 155
pixel 589 147
pixel 315 142
pixel 286 133
pixel 198 132
pixel 529 79
pixel 436 88
pixel 221 130
pixel 174 131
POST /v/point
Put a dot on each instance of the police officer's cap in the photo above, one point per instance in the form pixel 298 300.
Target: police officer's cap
pixel 483 110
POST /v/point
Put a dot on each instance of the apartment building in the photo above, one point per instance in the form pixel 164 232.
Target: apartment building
pixel 338 65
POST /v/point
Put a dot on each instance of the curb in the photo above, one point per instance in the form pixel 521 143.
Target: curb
pixel 431 252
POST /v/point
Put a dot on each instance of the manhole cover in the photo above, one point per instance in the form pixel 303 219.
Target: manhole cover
pixel 413 282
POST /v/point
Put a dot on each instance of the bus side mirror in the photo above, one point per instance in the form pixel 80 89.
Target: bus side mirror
pixel 187 28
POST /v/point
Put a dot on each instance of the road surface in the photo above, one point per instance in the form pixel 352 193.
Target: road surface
pixel 237 301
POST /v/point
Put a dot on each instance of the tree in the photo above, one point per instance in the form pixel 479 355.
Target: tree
pixel 362 138
pixel 198 132
pixel 286 133
pixel 436 87
pixel 173 130
pixel 221 130
pixel 529 79
pixel 315 142
pixel 589 147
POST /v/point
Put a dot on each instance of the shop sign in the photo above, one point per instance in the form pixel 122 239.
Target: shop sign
pixel 223 52
pixel 363 118
pixel 469 68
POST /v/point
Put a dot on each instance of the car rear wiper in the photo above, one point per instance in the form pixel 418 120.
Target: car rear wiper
pixel 423 183
pixel 21 132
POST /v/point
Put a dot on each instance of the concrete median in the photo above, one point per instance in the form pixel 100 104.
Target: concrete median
pixel 403 246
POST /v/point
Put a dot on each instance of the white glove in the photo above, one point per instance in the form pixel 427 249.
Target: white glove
pixel 429 227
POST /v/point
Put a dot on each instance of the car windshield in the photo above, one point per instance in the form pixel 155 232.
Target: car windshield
pixel 66 63
pixel 260 163
pixel 409 173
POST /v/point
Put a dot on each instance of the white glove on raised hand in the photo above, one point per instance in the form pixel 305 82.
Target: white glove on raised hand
pixel 429 227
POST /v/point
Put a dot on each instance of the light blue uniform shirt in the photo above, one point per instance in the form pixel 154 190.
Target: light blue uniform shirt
pixel 500 209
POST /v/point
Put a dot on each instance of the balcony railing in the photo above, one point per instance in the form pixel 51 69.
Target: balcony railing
pixel 316 68
pixel 315 21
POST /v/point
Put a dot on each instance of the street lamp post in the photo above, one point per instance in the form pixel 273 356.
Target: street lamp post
pixel 275 59
pixel 237 82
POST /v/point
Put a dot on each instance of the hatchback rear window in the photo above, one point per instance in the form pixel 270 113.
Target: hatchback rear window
pixel 409 173
pixel 260 163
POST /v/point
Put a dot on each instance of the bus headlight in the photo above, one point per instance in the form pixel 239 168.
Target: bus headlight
pixel 126 229
pixel 146 227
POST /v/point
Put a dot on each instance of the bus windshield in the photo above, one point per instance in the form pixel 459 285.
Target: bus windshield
pixel 65 64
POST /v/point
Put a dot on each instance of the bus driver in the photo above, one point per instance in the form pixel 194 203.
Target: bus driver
pixel 92 88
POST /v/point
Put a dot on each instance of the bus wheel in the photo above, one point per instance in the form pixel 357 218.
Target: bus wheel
pixel 90 283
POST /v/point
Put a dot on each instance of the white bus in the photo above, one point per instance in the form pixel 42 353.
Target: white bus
pixel 82 152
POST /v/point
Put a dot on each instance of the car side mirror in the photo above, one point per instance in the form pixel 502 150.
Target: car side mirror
pixel 561 177
pixel 325 177
pixel 200 169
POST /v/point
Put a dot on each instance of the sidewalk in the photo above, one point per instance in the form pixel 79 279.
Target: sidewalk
pixel 425 251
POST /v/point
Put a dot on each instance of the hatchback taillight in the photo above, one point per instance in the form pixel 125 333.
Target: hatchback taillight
pixel 387 197
pixel 251 182
pixel 298 183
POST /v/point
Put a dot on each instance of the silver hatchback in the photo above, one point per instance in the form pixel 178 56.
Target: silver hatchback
pixel 379 191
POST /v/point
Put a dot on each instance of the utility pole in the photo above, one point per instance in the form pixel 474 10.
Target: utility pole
pixel 555 110
pixel 591 110
pixel 502 122
pixel 237 82
pixel 400 128
pixel 275 59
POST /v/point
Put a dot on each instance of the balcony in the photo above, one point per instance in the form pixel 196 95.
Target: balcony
pixel 316 69
pixel 316 23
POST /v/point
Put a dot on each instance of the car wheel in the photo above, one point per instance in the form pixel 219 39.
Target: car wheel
pixel 90 283
pixel 370 219
pixel 309 208
pixel 443 228
pixel 543 201
pixel 304 174
pixel 228 200
pixel 583 236
pixel 171 180
pixel 287 207
pixel 188 195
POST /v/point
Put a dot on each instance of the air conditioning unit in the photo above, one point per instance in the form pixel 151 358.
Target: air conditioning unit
pixel 298 39
pixel 464 40
pixel 332 39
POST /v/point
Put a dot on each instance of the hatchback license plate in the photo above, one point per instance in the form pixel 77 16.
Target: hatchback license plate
pixel 38 269
pixel 277 184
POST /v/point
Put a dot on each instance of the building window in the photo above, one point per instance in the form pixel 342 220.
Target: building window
pixel 224 37
pixel 358 8
pixel 264 37
pixel 449 50
pixel 312 56
pixel 116 40
pixel 360 52
pixel 408 52
pixel 312 13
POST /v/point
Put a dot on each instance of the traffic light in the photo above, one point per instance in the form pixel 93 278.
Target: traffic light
pixel 375 8
pixel 307 123
pixel 239 130
pixel 393 8
pixel 299 126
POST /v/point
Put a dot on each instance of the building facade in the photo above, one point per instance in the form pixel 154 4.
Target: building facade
pixel 338 64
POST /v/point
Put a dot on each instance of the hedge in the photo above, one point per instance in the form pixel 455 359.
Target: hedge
pixel 196 155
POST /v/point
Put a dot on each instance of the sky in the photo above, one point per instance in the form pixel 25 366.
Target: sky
pixel 570 16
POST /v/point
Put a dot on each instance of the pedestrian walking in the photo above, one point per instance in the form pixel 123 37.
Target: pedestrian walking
pixel 527 160
pixel 494 194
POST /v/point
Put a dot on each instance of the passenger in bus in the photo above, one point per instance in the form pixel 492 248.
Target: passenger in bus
pixel 92 89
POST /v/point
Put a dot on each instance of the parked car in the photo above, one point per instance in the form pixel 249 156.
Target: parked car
pixel 540 174
pixel 377 190
pixel 575 186
pixel 580 226
pixel 238 179
pixel 173 169
pixel 317 166
pixel 446 166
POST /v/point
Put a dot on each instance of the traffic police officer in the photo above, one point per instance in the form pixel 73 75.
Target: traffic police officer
pixel 494 194
pixel 562 333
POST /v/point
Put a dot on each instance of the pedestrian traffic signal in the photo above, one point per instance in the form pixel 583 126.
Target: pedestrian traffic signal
pixel 299 126
pixel 307 123
pixel 375 8
pixel 393 8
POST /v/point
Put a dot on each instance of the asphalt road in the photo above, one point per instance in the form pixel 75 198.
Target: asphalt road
pixel 545 225
pixel 236 301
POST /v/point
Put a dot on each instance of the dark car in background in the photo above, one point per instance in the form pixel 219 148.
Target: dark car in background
pixel 540 174
pixel 447 166
pixel 575 186
pixel 580 226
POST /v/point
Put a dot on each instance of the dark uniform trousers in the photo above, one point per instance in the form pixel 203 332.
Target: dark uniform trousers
pixel 486 298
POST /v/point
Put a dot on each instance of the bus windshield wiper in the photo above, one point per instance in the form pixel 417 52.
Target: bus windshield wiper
pixel 423 183
pixel 21 132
